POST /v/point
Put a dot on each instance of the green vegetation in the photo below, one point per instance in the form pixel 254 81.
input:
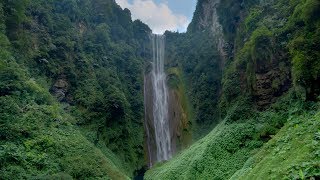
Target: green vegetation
pixel 71 90
pixel 275 35
pixel 293 153
pixel 266 85
pixel 305 54
pixel 71 103
pixel 176 84
pixel 238 145
pixel 199 74
pixel 37 139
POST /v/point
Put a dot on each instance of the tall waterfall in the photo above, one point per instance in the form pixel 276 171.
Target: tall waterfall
pixel 158 103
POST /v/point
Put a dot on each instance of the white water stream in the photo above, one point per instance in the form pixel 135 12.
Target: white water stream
pixel 160 100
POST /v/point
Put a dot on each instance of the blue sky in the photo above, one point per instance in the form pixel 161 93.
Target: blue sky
pixel 161 15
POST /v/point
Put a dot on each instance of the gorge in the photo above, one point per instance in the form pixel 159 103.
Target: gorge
pixel 88 93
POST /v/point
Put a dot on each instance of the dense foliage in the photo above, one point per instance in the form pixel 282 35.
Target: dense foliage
pixel 70 89
pixel 266 84
pixel 279 36
pixel 228 151
pixel 200 67
pixel 269 48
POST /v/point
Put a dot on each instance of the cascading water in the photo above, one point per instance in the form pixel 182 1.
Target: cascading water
pixel 158 104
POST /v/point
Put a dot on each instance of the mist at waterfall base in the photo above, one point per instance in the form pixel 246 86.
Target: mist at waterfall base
pixel 158 104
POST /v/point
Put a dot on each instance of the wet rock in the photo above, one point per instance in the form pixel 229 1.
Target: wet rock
pixel 179 125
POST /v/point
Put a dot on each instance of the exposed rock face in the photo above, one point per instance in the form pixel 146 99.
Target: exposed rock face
pixel 178 122
pixel 272 78
pixel 150 144
pixel 60 88
pixel 209 19
pixel 271 85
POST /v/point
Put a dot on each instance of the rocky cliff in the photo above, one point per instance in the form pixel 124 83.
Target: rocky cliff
pixel 206 18
pixel 262 91
pixel 178 115
pixel 266 75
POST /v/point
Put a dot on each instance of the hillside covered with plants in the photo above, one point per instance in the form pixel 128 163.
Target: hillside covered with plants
pixel 71 99
pixel 245 82
pixel 252 73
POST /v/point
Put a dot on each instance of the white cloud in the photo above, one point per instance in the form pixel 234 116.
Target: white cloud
pixel 159 17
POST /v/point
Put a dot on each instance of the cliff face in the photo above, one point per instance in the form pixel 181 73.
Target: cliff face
pixel 271 80
pixel 244 51
pixel 150 144
pixel 258 64
pixel 200 56
pixel 265 76
pixel 180 126
pixel 206 18
pixel 178 115
pixel 270 54
pixel 270 68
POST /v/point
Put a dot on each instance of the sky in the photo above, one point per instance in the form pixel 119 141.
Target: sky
pixel 162 15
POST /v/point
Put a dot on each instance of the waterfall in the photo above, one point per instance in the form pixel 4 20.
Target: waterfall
pixel 158 104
